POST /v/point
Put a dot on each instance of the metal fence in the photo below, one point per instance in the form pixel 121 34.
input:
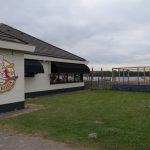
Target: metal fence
pixel 100 84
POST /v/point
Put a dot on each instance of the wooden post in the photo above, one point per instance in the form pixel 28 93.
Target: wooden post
pixel 98 81
pixel 101 73
pixel 149 75
pixel 144 75
pixel 92 73
pixel 123 75
pixel 112 75
pixel 119 75
pixel 91 79
pixel 138 75
pixel 128 76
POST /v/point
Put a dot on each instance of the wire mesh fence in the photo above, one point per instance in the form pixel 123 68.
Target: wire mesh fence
pixel 98 84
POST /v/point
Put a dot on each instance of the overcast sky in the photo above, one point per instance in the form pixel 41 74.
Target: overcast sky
pixel 108 33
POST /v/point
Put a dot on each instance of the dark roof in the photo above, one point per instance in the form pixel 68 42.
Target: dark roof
pixel 42 48
pixel 6 37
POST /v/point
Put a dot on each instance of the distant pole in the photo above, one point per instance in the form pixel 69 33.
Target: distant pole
pixel 119 75
pixel 112 75
pixel 149 75
pixel 128 76
pixel 144 76
pixel 123 75
pixel 98 79
pixel 138 75
pixel 92 73
pixel 101 73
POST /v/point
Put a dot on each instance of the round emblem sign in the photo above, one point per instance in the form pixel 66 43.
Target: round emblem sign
pixel 7 75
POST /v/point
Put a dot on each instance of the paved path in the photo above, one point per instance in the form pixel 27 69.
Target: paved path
pixel 12 141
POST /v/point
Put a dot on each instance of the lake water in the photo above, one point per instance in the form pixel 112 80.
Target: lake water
pixel 117 78
pixel 97 78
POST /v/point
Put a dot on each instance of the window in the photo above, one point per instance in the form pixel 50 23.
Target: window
pixel 56 78
pixel 71 77
pixel 32 67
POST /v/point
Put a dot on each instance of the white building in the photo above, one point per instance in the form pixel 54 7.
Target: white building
pixel 30 67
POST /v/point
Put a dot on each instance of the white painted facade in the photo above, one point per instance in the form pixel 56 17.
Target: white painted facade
pixel 14 53
pixel 16 94
pixel 14 86
pixel 17 46
pixel 41 81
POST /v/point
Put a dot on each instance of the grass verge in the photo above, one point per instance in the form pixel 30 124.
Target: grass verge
pixel 118 120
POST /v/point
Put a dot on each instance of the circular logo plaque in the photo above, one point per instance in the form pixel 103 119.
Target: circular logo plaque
pixel 7 75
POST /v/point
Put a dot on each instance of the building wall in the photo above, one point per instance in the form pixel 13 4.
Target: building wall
pixel 41 82
pixel 16 94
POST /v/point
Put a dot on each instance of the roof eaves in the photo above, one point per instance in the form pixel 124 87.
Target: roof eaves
pixel 41 54
pixel 81 59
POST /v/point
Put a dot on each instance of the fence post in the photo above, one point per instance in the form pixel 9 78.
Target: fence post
pixel 128 76
pixel 149 75
pixel 123 75
pixel 144 75
pixel 112 74
pixel 138 75
pixel 119 74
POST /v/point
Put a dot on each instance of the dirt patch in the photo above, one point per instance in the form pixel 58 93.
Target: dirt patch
pixel 92 135
pixel 11 140
pixel 98 122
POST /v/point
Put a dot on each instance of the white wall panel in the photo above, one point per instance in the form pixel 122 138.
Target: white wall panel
pixel 41 82
pixel 17 93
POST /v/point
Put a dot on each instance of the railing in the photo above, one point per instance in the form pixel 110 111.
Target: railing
pixel 101 84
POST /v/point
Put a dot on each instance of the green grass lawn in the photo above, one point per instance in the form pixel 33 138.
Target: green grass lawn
pixel 121 120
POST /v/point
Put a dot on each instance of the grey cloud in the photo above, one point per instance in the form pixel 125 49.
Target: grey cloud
pixel 102 31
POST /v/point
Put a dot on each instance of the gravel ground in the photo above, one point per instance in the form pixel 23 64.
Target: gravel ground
pixel 12 141
pixel 28 108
